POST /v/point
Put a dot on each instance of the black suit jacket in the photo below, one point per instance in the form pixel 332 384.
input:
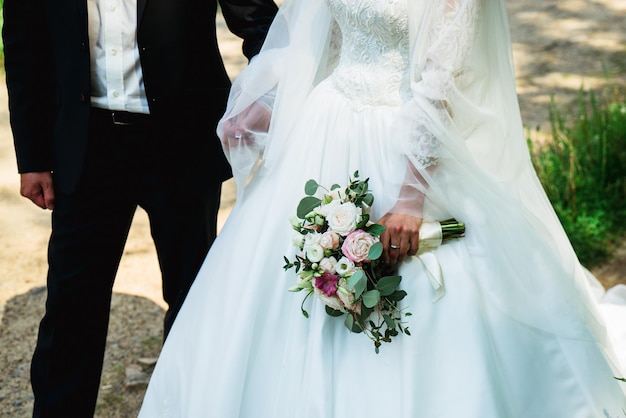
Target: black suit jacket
pixel 48 73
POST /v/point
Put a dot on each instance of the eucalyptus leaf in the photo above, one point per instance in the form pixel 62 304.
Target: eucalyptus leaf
pixel 391 324
pixel 371 298
pixel 388 284
pixel 335 187
pixel 365 313
pixel 358 283
pixel 349 322
pixel 307 205
pixel 376 229
pixel 397 296
pixel 310 188
pixel 333 312
pixel 376 251
pixel 352 325
pixel 368 199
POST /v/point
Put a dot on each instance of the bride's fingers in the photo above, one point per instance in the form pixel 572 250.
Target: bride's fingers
pixel 397 248
pixel 413 246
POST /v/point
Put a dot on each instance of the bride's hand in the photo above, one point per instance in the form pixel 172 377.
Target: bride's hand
pixel 401 236
pixel 239 130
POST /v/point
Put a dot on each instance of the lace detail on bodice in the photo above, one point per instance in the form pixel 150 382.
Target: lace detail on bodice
pixel 374 41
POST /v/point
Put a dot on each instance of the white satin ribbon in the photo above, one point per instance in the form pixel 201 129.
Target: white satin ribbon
pixel 431 237
pixel 433 269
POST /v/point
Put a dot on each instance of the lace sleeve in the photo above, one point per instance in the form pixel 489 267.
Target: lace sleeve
pixel 449 39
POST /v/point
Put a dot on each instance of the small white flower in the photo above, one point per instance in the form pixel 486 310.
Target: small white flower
pixel 297 240
pixel 344 267
pixel 336 194
pixel 295 222
pixel 328 264
pixel 315 253
pixel 347 296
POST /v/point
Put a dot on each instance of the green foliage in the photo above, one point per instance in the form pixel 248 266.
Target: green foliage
pixel 583 170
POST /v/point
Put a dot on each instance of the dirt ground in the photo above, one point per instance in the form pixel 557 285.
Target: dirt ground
pixel 558 46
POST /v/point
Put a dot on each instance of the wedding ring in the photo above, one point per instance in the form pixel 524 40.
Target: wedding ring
pixel 395 247
pixel 238 136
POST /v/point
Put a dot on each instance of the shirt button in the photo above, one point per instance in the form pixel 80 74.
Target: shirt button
pixel 112 7
pixel 116 93
pixel 114 52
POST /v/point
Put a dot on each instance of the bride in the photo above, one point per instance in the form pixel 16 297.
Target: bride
pixel 419 97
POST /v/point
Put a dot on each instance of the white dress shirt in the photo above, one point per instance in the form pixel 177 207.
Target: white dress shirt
pixel 116 75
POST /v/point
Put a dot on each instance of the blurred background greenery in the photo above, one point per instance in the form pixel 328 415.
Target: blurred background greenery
pixel 583 170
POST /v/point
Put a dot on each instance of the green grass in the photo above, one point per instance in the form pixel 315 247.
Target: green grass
pixel 583 170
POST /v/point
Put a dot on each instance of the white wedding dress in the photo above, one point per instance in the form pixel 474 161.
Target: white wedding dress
pixel 511 337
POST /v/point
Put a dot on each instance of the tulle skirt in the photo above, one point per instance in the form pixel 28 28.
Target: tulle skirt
pixel 241 347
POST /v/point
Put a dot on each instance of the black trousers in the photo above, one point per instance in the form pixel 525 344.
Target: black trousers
pixel 164 170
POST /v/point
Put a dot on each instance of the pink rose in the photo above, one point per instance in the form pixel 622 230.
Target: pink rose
pixel 329 240
pixel 357 244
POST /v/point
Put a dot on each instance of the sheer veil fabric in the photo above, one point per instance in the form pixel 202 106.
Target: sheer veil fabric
pixel 463 119
pixel 425 92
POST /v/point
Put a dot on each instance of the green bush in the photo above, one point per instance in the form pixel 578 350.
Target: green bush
pixel 583 170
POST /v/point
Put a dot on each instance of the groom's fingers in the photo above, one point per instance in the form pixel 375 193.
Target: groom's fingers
pixel 38 188
pixel 48 196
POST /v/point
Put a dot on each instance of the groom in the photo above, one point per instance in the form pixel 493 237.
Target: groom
pixel 114 104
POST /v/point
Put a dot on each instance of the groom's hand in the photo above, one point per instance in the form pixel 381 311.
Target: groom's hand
pixel 38 188
pixel 240 129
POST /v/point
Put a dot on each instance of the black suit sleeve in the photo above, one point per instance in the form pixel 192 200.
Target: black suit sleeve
pixel 30 82
pixel 250 20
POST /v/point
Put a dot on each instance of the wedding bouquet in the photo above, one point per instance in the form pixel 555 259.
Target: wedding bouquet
pixel 339 259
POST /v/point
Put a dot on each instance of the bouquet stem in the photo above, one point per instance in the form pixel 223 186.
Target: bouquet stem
pixel 451 229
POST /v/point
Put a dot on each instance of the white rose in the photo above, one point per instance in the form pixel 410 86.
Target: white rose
pixel 331 301
pixel 328 264
pixel 315 253
pixel 344 267
pixel 325 209
pixel 310 239
pixel 343 218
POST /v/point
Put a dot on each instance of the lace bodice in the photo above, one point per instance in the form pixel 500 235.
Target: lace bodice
pixel 372 40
